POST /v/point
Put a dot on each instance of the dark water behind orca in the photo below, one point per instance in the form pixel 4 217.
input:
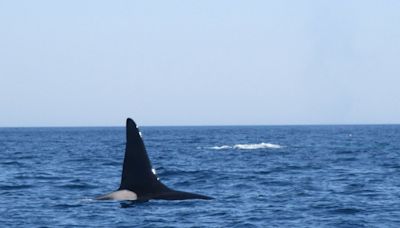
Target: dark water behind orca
pixel 261 176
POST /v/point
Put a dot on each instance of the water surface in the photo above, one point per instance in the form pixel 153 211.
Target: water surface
pixel 275 176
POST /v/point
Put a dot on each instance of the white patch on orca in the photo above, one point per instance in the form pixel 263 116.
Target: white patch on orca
pixel 119 195
pixel 155 173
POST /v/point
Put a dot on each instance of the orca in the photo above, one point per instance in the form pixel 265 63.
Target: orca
pixel 139 181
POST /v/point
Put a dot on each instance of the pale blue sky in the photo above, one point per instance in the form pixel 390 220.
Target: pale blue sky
pixel 88 63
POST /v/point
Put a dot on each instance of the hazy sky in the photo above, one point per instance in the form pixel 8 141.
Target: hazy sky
pixel 88 63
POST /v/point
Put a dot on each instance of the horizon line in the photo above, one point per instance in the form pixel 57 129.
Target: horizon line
pixel 206 125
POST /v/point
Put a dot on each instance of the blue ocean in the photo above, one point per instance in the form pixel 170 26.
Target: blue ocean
pixel 260 176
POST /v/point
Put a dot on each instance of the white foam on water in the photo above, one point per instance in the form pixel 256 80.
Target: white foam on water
pixel 256 146
pixel 248 146
pixel 221 147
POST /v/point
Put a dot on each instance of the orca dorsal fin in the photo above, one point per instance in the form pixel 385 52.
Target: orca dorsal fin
pixel 137 174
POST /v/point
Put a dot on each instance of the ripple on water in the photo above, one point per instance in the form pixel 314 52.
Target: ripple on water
pixel 76 186
pixel 16 187
pixel 346 211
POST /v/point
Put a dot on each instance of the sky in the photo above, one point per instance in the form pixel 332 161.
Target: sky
pixel 199 62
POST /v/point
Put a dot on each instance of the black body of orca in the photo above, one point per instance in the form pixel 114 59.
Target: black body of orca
pixel 138 182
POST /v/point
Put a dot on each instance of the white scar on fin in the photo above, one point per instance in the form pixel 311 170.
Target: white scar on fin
pixel 119 195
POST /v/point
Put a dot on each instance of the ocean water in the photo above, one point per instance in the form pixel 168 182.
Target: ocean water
pixel 260 176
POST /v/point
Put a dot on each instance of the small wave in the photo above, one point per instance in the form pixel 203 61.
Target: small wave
pixel 256 146
pixel 67 205
pixel 347 211
pixel 221 147
pixel 76 186
pixel 248 146
pixel 15 187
